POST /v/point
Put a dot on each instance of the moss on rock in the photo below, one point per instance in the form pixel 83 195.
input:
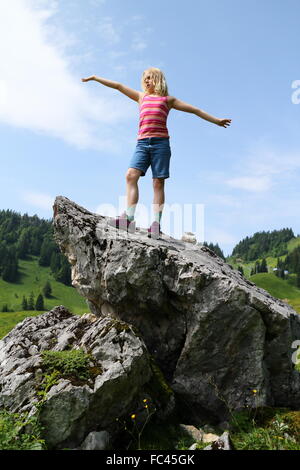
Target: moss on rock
pixel 74 364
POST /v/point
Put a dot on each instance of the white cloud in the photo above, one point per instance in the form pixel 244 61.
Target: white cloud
pixel 37 199
pixel 273 162
pixel 250 183
pixel 96 3
pixel 108 32
pixel 138 42
pixel 37 89
pixel 139 45
pixel 137 18
pixel 223 200
pixel 265 169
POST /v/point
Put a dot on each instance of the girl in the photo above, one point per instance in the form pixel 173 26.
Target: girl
pixel 153 146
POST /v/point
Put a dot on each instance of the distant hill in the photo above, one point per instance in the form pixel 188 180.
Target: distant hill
pixel 30 259
pixel 263 244
pixel 22 237
pixel 32 279
pixel 278 288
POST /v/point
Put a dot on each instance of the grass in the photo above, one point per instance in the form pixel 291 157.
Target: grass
pixel 18 432
pixel 263 428
pixel 155 436
pixel 8 320
pixel 266 428
pixel 33 278
pixel 277 287
pixel 293 243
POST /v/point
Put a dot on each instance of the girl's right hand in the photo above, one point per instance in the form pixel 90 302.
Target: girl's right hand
pixel 224 122
pixel 87 79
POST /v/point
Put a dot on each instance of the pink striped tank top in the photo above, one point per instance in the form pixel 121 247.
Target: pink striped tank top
pixel 153 117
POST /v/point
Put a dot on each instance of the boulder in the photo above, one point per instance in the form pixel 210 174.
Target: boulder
pixel 198 434
pixel 215 335
pixel 192 431
pixel 96 441
pixel 222 443
pixel 120 372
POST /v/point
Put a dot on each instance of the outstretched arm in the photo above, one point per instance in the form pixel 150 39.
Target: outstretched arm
pixel 188 108
pixel 133 94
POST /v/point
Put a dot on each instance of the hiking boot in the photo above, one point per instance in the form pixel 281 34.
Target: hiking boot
pixel 154 231
pixel 123 223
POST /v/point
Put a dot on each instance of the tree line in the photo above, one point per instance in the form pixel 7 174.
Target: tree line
pixel 23 236
pixel 263 244
pixel 215 248
pixel 30 303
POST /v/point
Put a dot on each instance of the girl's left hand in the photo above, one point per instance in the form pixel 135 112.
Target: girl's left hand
pixel 224 122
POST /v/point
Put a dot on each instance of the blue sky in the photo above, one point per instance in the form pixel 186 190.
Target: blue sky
pixel 232 59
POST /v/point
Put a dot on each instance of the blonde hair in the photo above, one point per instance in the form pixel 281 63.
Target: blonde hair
pixel 160 84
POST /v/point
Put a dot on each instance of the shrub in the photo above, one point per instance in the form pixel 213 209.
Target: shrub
pixel 73 364
pixel 17 432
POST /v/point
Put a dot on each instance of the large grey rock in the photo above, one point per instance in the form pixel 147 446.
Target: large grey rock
pixel 198 434
pixel 72 409
pixel 215 335
pixel 96 441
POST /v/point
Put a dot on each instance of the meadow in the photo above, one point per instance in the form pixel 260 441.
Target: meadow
pixel 33 277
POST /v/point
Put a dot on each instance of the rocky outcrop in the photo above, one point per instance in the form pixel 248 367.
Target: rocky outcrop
pixel 215 335
pixel 119 380
pixel 221 342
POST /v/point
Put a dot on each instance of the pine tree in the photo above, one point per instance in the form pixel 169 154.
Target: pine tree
pixel 64 274
pixel 257 267
pixel 39 305
pixel 55 263
pixel 24 303
pixel 47 290
pixel 7 273
pixel 31 302
pixel 298 278
pixel 263 266
pixel 23 245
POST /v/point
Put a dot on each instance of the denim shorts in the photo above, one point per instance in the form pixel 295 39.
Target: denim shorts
pixel 154 151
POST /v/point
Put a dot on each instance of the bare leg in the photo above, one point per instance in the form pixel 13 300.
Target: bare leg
pixel 132 190
pixel 159 197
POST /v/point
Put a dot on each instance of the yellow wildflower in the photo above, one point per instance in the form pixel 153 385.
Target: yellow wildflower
pixel 132 416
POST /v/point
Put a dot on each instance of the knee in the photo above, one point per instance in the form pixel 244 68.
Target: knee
pixel 158 183
pixel 132 176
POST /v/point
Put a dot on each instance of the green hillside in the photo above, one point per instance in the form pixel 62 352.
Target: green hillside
pixel 279 288
pixel 32 279
pixel 235 261
pixel 293 243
